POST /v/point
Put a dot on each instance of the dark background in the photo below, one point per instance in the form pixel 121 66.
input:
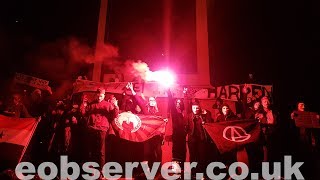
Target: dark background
pixel 278 42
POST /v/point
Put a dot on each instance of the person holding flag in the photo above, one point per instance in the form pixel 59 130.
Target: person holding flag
pixel 100 113
pixel 152 147
pixel 198 140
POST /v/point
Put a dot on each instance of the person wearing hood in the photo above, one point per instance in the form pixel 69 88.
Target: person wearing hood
pixel 199 143
pixel 226 114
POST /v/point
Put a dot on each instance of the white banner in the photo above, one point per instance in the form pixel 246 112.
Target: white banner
pixel 233 92
pixel 229 92
pixel 148 88
pixel 31 81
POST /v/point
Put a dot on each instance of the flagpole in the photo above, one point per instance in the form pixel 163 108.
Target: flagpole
pixel 25 147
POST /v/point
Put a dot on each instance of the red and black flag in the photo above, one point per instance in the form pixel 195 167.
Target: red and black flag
pixel 138 128
pixel 15 135
pixel 231 135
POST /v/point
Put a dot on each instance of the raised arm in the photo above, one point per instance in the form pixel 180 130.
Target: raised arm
pixel 84 105
pixel 141 103
pixel 243 100
pixel 186 104
pixel 170 100
pixel 115 107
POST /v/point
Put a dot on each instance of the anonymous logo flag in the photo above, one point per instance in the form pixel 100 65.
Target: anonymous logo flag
pixel 138 128
pixel 15 135
pixel 230 135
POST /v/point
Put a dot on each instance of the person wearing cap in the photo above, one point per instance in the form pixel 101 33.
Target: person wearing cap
pixel 100 113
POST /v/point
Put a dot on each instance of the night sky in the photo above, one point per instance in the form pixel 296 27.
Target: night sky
pixel 276 41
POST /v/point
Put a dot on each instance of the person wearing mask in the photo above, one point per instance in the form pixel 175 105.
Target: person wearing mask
pixel 268 118
pixel 152 147
pixel 177 112
pixel 198 140
pixel 226 114
pixel 309 137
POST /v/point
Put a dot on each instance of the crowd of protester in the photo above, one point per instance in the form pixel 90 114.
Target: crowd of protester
pixel 80 127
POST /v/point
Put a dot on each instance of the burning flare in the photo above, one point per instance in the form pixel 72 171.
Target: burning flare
pixel 165 78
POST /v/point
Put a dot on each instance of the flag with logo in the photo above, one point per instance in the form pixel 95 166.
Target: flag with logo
pixel 15 135
pixel 230 135
pixel 138 128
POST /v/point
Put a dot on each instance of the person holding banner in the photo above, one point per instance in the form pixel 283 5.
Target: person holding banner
pixel 308 135
pixel 152 147
pixel 100 113
pixel 129 105
pixel 226 114
pixel 304 133
pixel 249 110
pixel 198 140
pixel 217 108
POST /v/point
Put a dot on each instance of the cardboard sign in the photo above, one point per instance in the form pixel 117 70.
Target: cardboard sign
pixel 306 119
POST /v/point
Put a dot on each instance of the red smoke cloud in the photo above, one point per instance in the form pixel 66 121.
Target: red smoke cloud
pixel 137 68
pixel 81 52
pixel 64 60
